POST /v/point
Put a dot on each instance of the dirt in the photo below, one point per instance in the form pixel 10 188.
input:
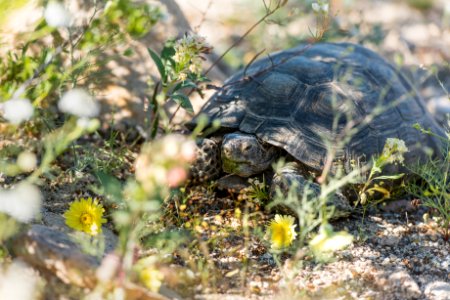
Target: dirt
pixel 396 255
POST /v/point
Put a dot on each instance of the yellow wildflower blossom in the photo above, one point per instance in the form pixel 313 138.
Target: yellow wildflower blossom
pixel 151 278
pixel 281 231
pixel 85 215
pixel 327 241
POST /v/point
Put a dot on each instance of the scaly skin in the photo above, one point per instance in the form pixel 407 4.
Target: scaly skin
pixel 244 155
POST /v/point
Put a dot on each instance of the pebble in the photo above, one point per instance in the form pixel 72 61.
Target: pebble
pixel 389 241
pixel 401 282
pixel 438 290
pixel 386 261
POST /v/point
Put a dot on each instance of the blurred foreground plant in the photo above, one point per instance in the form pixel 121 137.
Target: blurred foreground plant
pixel 433 187
pixel 48 74
pixel 328 241
pixel 18 281
pixel 161 165
pixel 321 10
pixel 393 152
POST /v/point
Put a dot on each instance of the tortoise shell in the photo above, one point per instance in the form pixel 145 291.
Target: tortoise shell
pixel 303 97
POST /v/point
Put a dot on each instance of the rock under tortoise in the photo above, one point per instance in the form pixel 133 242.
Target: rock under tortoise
pixel 292 102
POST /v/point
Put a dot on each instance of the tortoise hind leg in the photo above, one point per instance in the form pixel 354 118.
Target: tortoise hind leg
pixel 291 174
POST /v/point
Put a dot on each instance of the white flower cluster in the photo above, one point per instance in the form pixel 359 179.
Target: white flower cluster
pixel 187 55
pixel 320 7
pixel 18 282
pixel 57 15
pixel 80 103
pixel 22 202
pixel 27 161
pixel 77 102
pixel 393 150
pixel 17 110
pixel 164 162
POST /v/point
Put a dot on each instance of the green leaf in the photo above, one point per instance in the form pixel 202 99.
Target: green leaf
pixel 168 51
pixel 159 64
pixel 390 177
pixel 112 187
pixel 184 101
pixel 128 52
pixel 184 84
pixel 203 78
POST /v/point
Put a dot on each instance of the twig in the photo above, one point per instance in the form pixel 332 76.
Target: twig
pixel 154 126
pixel 252 60
pixel 268 14
pixel 58 51
pixel 203 19
pixel 273 65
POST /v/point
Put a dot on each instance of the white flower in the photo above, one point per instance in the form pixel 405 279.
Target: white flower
pixel 84 123
pixel 57 15
pixel 22 202
pixel 18 282
pixel 27 161
pixel 108 268
pixel 447 9
pixel 78 102
pixel 182 76
pixel 17 110
pixel 315 7
pixel 393 150
pixel 188 150
pixel 171 145
pixel 320 7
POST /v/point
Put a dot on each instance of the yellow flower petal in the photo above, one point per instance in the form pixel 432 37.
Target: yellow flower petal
pixel 281 231
pixel 151 278
pixel 85 215
pixel 327 241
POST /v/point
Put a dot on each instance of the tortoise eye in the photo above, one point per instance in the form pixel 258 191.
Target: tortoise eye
pixel 246 147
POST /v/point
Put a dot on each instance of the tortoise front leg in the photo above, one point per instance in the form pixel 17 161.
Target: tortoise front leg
pixel 207 165
pixel 291 174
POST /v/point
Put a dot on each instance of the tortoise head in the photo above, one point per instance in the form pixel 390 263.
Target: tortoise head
pixel 244 155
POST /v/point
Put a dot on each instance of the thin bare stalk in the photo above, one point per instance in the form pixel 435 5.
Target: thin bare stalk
pixel 269 12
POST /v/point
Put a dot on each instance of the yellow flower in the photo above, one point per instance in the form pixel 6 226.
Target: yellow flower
pixel 281 231
pixel 151 278
pixel 327 241
pixel 85 215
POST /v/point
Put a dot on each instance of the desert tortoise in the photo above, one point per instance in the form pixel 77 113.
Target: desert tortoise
pixel 293 101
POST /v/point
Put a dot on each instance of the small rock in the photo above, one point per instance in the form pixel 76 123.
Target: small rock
pixel 389 241
pixel 267 258
pixel 397 206
pixel 49 250
pixel 53 252
pixel 386 261
pixel 232 183
pixel 439 107
pixel 438 290
pixel 403 284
